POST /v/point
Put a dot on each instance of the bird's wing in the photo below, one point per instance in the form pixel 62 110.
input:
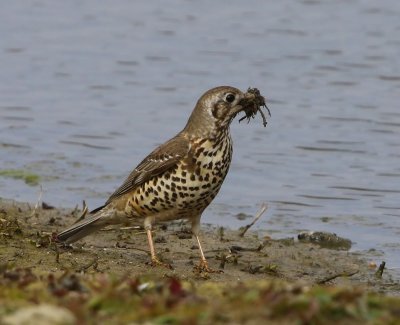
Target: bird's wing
pixel 162 159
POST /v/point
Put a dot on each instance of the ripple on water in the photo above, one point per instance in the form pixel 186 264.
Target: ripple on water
pixel 389 78
pixel 91 136
pixel 300 204
pixel 18 118
pixel 127 62
pixel 13 145
pixel 328 149
pixel 16 108
pixel 365 189
pixel 388 174
pixel 85 144
pixel 320 197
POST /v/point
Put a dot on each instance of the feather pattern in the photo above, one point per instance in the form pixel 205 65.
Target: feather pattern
pixel 83 228
pixel 162 159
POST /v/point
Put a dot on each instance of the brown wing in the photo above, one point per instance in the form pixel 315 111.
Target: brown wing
pixel 163 158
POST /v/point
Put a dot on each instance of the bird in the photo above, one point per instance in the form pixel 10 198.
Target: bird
pixel 178 179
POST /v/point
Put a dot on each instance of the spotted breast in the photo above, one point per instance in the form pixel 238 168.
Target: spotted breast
pixel 186 190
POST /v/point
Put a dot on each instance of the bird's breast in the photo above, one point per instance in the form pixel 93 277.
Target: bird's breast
pixel 188 188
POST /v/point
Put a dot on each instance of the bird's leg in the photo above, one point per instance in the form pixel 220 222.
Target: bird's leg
pixel 151 244
pixel 154 260
pixel 203 265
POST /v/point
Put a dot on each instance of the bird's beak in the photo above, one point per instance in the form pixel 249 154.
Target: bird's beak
pixel 249 96
pixel 247 100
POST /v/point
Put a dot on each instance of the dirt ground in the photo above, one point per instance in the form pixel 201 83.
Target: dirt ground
pixel 25 234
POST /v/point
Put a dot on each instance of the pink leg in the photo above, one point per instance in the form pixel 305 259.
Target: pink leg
pixel 203 265
pixel 154 260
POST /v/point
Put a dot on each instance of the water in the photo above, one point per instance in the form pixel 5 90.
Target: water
pixel 88 88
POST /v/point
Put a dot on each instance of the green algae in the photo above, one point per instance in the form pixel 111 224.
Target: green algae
pixel 27 177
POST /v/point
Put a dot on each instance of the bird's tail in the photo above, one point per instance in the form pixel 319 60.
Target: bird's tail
pixel 98 220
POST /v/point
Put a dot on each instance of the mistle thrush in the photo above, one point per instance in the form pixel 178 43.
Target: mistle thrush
pixel 181 177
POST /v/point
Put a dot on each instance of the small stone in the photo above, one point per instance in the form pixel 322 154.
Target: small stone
pixel 325 239
pixel 42 314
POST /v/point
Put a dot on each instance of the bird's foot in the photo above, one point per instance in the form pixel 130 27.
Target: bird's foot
pixel 204 268
pixel 155 262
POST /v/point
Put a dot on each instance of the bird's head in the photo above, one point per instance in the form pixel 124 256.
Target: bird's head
pixel 218 106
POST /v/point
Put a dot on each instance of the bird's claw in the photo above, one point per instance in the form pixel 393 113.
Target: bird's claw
pixel 155 262
pixel 204 268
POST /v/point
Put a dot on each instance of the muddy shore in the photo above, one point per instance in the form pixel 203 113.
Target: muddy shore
pixel 25 234
pixel 106 278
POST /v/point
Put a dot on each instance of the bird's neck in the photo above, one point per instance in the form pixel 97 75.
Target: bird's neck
pixel 205 127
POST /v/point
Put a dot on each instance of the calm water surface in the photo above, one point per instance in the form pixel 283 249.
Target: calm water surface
pixel 88 88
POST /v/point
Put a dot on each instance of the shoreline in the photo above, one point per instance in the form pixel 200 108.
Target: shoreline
pixel 106 278
pixel 120 249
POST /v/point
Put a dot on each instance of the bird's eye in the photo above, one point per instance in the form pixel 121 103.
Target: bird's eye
pixel 230 98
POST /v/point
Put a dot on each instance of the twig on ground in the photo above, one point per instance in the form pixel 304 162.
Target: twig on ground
pixel 264 207
pixel 380 270
pixel 34 212
pixel 88 265
pixel 75 211
pixel 221 233
pixel 130 228
pixel 337 275
pixel 54 244
pixel 84 212
pixel 134 248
